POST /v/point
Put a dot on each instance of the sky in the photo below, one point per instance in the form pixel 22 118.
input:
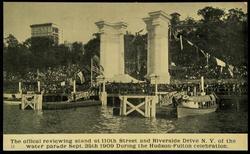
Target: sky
pixel 77 20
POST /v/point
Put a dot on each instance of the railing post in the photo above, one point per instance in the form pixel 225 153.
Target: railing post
pixel 146 107
pixel 74 86
pixel 195 91
pixel 202 86
pixel 20 87
pixel 38 86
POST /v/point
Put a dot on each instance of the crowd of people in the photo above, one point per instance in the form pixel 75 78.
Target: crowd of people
pixel 60 80
pixel 209 72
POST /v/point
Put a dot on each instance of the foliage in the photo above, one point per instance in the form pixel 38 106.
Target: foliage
pixel 220 33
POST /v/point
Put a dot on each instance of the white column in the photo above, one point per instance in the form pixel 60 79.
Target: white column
pixel 157 27
pixel 112 47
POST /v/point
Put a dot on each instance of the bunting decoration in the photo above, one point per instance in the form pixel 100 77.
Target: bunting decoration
pixel 219 62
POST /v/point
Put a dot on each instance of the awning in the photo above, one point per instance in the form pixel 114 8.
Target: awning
pixel 123 78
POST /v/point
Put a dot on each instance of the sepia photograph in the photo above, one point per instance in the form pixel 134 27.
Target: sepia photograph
pixel 122 68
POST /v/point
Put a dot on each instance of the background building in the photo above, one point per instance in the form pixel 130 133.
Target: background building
pixel 46 30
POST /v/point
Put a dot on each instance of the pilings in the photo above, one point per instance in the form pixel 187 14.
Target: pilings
pixel 202 87
pixel 147 108
pixel 34 101
pixel 20 87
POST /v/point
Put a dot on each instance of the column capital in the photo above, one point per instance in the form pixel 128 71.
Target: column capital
pixel 115 28
pixel 157 18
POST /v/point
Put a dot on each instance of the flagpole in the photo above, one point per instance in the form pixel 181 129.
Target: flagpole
pixel 91 75
pixel 207 59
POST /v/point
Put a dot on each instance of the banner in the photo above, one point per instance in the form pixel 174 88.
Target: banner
pixel 63 83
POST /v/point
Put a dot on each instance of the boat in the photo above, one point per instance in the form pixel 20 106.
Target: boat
pixel 196 105
pixel 68 105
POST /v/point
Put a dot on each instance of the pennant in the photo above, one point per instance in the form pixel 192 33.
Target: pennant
pixel 203 53
pixel 173 64
pixel 63 83
pixel 80 74
pixel 181 42
pixel 190 43
pixel 220 62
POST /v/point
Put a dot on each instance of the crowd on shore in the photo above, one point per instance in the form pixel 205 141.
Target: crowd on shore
pixel 59 80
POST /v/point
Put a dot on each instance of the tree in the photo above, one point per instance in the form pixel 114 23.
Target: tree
pixel 175 18
pixel 11 41
pixel 91 48
pixel 210 14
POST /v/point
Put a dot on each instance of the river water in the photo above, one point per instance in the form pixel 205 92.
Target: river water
pixel 98 119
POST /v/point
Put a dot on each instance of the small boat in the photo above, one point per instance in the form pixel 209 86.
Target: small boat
pixel 196 105
pixel 12 102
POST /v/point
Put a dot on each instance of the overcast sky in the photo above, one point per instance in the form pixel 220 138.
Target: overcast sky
pixel 77 19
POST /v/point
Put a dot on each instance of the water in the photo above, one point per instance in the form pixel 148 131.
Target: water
pixel 97 119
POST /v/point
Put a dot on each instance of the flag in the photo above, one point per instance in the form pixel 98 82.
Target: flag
pixel 181 42
pixel 190 43
pixel 230 69
pixel 220 62
pixel 80 74
pixel 96 67
pixel 63 83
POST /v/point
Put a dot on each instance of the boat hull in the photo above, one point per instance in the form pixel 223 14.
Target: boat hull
pixel 184 111
pixel 68 105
